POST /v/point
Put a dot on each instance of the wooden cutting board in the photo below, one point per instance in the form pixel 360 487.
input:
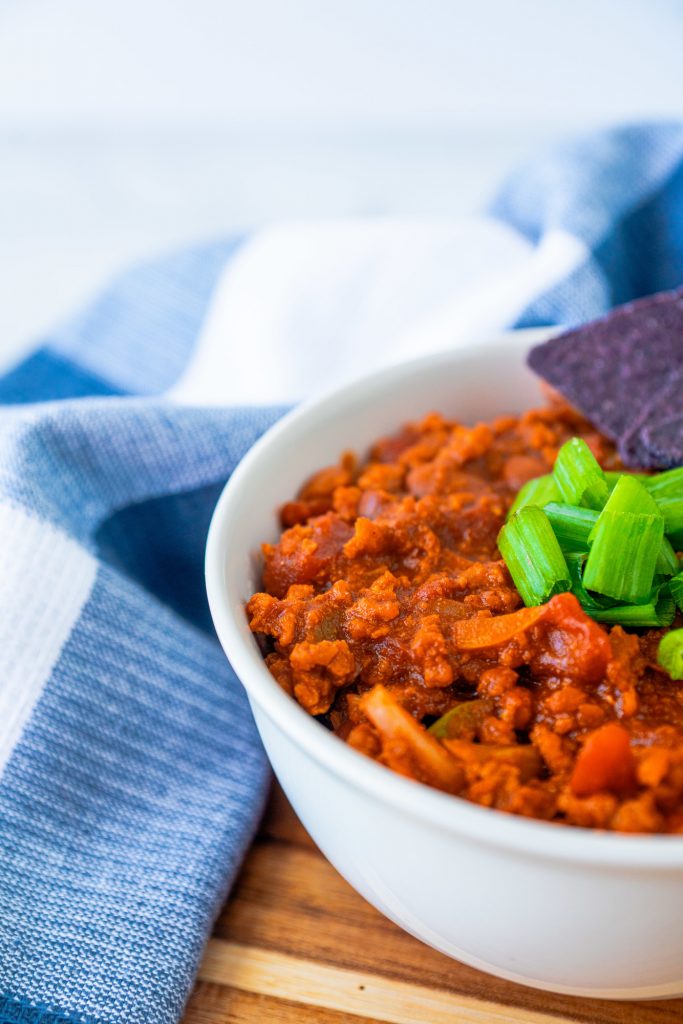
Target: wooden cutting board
pixel 296 945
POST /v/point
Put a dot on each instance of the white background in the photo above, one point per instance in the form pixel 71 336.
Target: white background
pixel 129 127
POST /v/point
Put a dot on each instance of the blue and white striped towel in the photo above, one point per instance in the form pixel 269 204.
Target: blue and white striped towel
pixel 131 779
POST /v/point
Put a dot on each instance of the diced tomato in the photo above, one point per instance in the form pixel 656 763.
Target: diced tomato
pixel 605 762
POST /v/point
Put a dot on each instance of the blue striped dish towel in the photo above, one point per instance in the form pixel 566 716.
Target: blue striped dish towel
pixel 131 778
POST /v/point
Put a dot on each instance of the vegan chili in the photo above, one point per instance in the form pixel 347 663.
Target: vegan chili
pixel 388 613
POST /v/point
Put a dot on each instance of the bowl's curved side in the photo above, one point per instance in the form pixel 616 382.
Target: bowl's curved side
pixel 570 928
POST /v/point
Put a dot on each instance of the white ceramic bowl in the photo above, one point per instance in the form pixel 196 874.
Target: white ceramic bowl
pixel 564 909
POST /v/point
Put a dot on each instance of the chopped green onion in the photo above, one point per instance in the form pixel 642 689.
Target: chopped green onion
pixel 666 485
pixel 571 525
pixel 630 495
pixel 623 556
pixel 538 491
pixel 575 562
pixel 652 614
pixel 610 537
pixel 625 544
pixel 672 510
pixel 659 610
pixel 670 653
pixel 667 562
pixel 579 476
pixel 613 476
pixel 533 556
pixel 676 589
pixel 667 490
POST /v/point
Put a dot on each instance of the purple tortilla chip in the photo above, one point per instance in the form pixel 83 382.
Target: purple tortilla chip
pixel 634 448
pixel 617 371
pixel 664 442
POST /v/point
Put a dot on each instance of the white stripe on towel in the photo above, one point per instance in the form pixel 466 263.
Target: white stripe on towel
pixel 45 579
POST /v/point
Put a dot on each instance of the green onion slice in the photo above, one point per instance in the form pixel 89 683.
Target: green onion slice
pixel 652 614
pixel 623 556
pixel 625 544
pixel 659 610
pixel 667 562
pixel 670 653
pixel 667 490
pixel 630 495
pixel 676 589
pixel 533 555
pixel 579 477
pixel 575 563
pixel 571 525
pixel 575 560
pixel 613 476
pixel 666 485
pixel 538 491
pixel 672 510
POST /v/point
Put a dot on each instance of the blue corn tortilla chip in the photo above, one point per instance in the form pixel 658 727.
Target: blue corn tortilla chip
pixel 625 373
pixel 664 441
pixel 640 444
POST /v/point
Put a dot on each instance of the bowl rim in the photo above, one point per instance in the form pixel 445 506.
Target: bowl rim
pixel 441 811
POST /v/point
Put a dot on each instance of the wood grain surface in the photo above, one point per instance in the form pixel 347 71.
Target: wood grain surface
pixel 296 945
